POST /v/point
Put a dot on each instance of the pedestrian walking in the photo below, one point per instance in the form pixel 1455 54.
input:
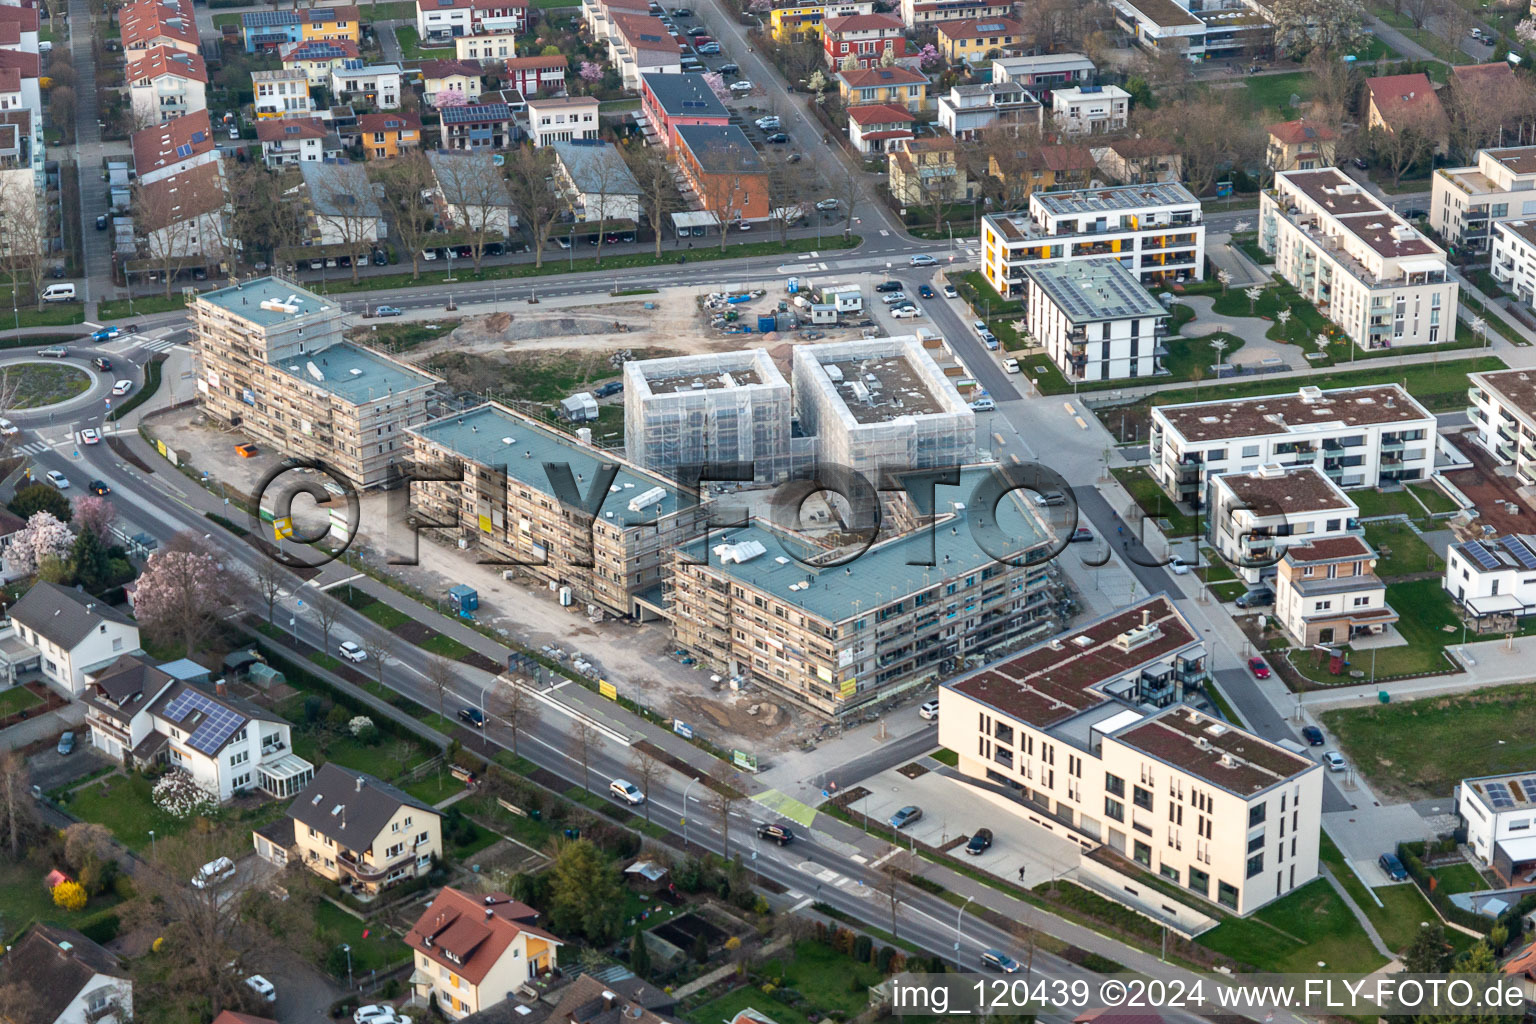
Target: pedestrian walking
pixel 1021 872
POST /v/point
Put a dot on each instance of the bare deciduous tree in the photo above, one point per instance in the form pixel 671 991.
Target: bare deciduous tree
pixel 1412 137
pixel 23 238
pixel 658 189
pixel 583 738
pixel 725 792
pixel 406 179
pixel 514 704
pixel 327 610
pixel 475 198
pixel 269 584
pixel 334 198
pixel 537 205
pixel 647 769
pixel 379 647
pixel 15 805
pixel 439 680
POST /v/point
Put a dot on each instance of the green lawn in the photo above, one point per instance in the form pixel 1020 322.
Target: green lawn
pixel 447 646
pixel 24 900
pixel 1153 501
pixel 1400 550
pixel 1385 503
pixel 1433 498
pixel 1229 591
pixel 124 805
pixel 946 756
pixel 397 10
pixel 379 760
pixel 16 699
pixel 1424 609
pixel 381 949
pixel 555 265
pixel 1424 747
pixel 115 309
pixel 726 1007
pixel 400 337
pixel 1456 878
pixel 1274 92
pixel 1293 934
pixel 1402 906
pixel 385 615
pixel 434 786
pixel 410 45
pixel 1186 354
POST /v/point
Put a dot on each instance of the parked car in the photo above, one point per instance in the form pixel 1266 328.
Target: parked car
pixel 1258 667
pixel 388 311
pixel 1011 365
pixel 219 870
pixel 7 428
pixel 626 791
pixel 827 204
pixel 122 387
pixel 929 709
pixel 925 291
pixel 1082 533
pixel 101 222
pixel 613 387
pixel 1415 213
pixel 1313 735
pixel 885 286
pixel 922 259
pixel 777 138
pixel 352 652
pixel 1334 760
pixel 53 352
pixel 374 1013
pixel 58 479
pixel 892 298
pixel 682 12
pixel 908 815
pixel 729 69
pixel 1048 499
pixel 98 487
pixel 742 86
pixel 67 743
pixel 1178 566
pixel 473 716
pixel 983 404
pixel 999 961
pixel 775 833
pixel 768 123
pixel 234 131
pixel 979 326
pixel 1361 163
pixel 907 312
pixel 698 30
pixel 980 840
pixel 950 293
pixel 1388 861
pixel 710 49
pixel 90 435
pixel 1258 597
pixel 990 340
pixel 380 258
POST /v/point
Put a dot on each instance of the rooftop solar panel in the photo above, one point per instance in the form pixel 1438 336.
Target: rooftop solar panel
pixel 1521 551
pixel 1480 555
pixel 218 725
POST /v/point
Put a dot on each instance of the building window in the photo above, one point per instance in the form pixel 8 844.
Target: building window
pixel 1256 814
pixel 1257 842
pixel 1114 808
pixel 1114 785
pixel 1199 882
pixel 1143 854
pixel 1226 895
pixel 1141 798
pixel 1170 873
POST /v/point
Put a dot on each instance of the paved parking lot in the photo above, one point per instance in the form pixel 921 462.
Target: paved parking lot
pixel 49 769
pixel 952 809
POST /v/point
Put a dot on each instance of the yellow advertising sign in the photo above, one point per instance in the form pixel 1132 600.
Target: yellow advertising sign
pixel 485 524
pixel 282 527
pixel 825 673
pixel 850 687
pixel 607 689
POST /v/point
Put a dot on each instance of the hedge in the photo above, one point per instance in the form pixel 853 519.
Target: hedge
pixel 145 393
pixel 1411 854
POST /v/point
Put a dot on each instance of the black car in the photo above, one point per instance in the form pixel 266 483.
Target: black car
pixel 729 69
pixel 888 286
pixel 98 487
pixel 1361 163
pixel 1415 213
pixel 1393 867
pixel 979 842
pixel 1313 735
pixel 777 138
pixel 682 12
pixel 473 717
pixel 698 30
pixel 777 833
pixel 101 222
pixel 102 363
pixel 1258 597
pixel 613 387
pixel 380 258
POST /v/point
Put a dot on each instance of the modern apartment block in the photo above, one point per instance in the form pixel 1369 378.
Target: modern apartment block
pixel 1155 230
pixel 1497 811
pixel 1465 201
pixel 1363 266
pixel 835 630
pixel 1327 592
pixel 1255 516
pixel 881 406
pixel 1504 412
pixel 1365 436
pixel 1494 580
pixel 271 361
pixel 1513 259
pixel 1095 319
pixel 1086 732
pixel 719 407
pixel 507 505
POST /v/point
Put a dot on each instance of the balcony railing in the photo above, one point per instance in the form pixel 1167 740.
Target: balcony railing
pixel 366 872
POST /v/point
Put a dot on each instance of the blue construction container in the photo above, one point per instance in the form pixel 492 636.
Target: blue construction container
pixel 465 599
pixel 767 323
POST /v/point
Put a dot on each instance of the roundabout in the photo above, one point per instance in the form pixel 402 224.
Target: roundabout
pixel 35 385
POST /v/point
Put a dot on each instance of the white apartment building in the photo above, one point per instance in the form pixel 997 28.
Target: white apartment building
pixel 166 83
pixel 1503 411
pixel 72 633
pixel 282 94
pixel 1095 319
pixel 1156 230
pixel 449 19
pixel 1327 592
pixel 1366 436
pixel 1497 811
pixel 378 85
pixel 1090 109
pixel 487 47
pixel 1363 266
pixel 1494 580
pixel 553 119
pixel 969 110
pixel 1513 258
pixel 1087 731
pixel 1253 517
pixel 1465 201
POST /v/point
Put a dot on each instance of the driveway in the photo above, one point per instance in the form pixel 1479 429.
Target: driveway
pixel 304 994
pixel 49 769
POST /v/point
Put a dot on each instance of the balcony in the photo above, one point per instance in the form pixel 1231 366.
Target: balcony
pixel 366 871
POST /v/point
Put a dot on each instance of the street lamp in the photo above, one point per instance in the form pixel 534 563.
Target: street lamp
pixel 151 844
pixel 348 950
pixel 1480 328
pixel 685 809
pixel 958 915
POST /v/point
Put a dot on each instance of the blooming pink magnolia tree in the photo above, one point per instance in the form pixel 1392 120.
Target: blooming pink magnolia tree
pixel 449 98
pixel 929 56
pixel 96 514
pixel 1526 31
pixel 590 72
pixel 42 537
pixel 179 596
pixel 716 83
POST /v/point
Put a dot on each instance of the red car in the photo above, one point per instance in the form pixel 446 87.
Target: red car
pixel 1258 668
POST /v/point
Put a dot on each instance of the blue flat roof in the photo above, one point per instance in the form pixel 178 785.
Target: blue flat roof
pixel 355 374
pixel 244 300
pixel 480 435
pixel 883 573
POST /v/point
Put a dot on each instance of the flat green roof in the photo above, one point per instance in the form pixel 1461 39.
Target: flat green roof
pixel 492 436
pixel 883 573
pixel 355 374
pixel 244 300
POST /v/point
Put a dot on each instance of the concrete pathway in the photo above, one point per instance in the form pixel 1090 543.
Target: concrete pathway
pixel 1354 908
pixel 1399 42
pixel 1493 662
pixel 96 246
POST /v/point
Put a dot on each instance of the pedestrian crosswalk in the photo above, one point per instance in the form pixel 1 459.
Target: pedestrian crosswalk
pixel 34 447
pixel 159 345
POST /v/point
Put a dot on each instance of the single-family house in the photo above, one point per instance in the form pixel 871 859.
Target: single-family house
pixel 293 140
pixel 283 93
pixel 1300 145
pixel 165 83
pixel 478 126
pixel 373 85
pixel 1405 102
pixel 67 978
pixel 536 76
pixel 865 38
pixel 978 40
pixel 553 119
pixel 884 85
pixel 387 135
pixel 876 127
pixel 267 30
pixel 472 951
pixel 487 47
pixel 926 171
pixel 1141 160
pixel 147 24
pixel 317 58
pixel 451 83
pixel 343 207
pixel 178 145
pixel 596 182
pixel 73 634
pixel 472 194
pixel 1327 592
pixel 1090 109
pixel 449 19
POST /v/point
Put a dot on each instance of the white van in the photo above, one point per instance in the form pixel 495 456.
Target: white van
pixel 219 870
pixel 59 293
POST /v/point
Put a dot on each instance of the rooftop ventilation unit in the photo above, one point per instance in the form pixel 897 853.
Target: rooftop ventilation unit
pixel 1138 636
pixel 641 502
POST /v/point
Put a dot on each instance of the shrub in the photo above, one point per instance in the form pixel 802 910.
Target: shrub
pixel 69 896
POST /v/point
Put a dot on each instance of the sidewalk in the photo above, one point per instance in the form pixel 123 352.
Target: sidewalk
pixel 1495 662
